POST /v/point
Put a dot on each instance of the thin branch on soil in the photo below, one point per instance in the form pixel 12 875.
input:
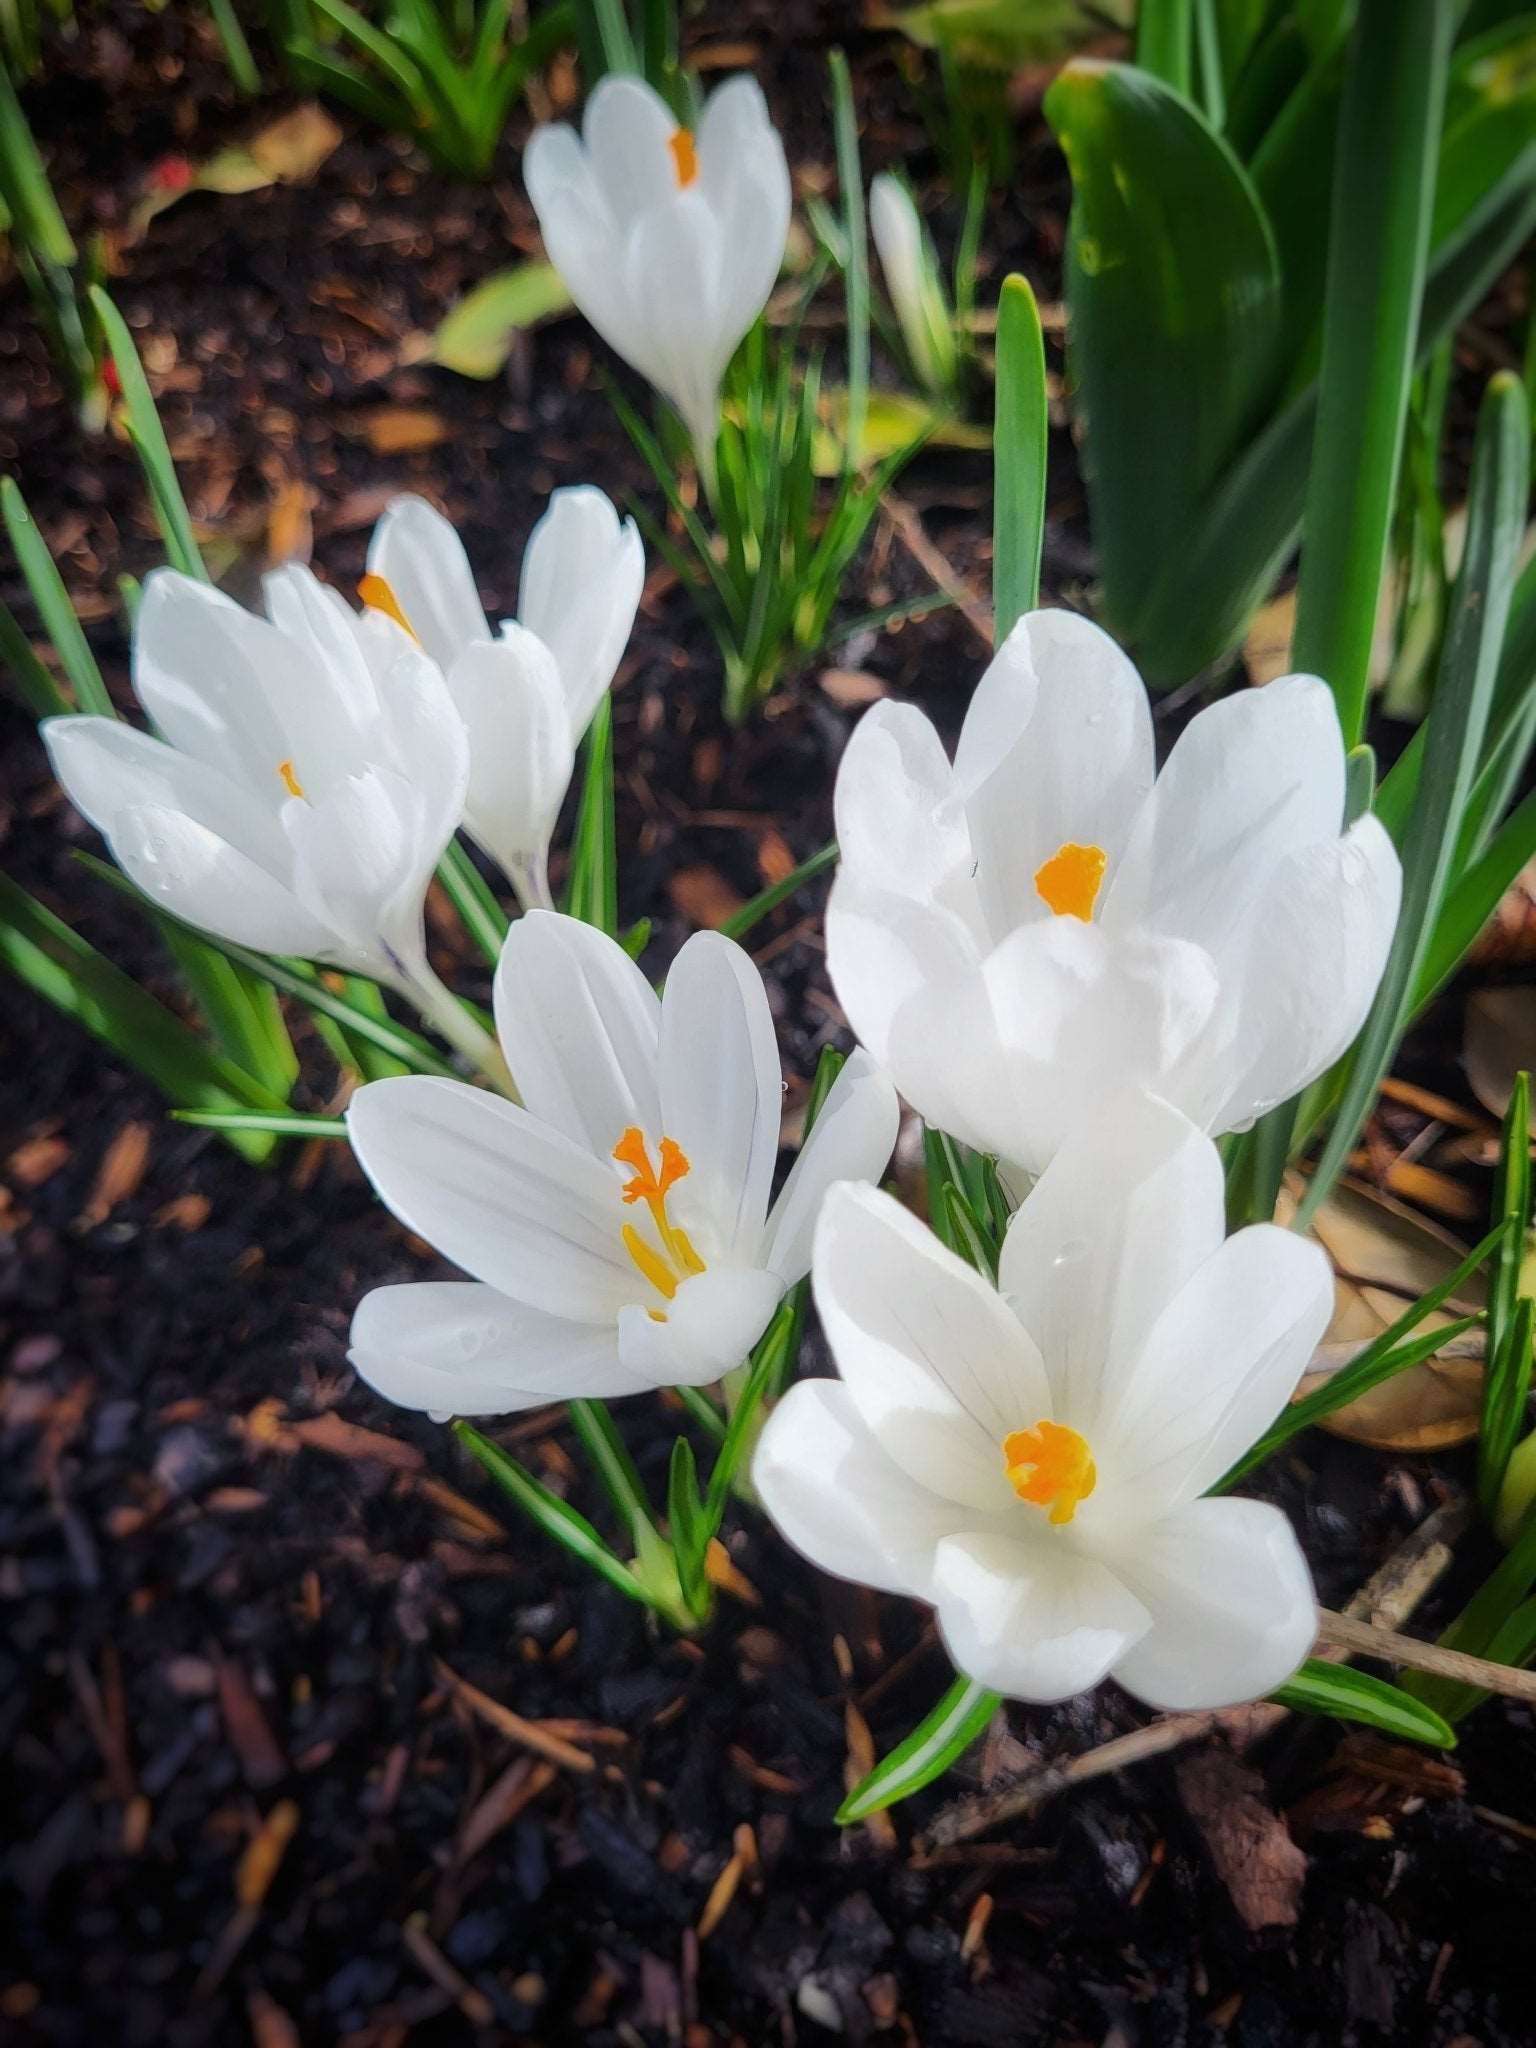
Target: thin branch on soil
pixel 1390 1595
pixel 1387 1646
pixel 908 527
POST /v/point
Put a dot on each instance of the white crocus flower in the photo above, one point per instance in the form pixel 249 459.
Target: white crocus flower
pixel 617 1227
pixel 306 772
pixel 912 279
pixel 1030 1459
pixel 528 694
pixel 1011 935
pixel 669 240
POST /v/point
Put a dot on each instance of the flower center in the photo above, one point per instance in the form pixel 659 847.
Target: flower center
pixel 1069 881
pixel 685 157
pixel 378 595
pixel 290 781
pixel 673 1259
pixel 1050 1466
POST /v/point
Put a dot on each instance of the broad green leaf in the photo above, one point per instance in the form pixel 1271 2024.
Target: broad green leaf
pixel 937 1741
pixel 57 964
pixel 1020 443
pixel 1321 1688
pixel 475 337
pixel 1174 287
pixel 1379 238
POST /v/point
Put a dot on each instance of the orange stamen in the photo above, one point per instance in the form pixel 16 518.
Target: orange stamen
pixel 684 156
pixel 677 1257
pixel 1050 1466
pixel 290 781
pixel 649 1185
pixel 1069 881
pixel 378 595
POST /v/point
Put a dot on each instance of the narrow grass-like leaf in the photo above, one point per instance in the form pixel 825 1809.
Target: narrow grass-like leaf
pixel 475 901
pixel 57 964
pixel 1458 722
pixel 1165 41
pixel 24 187
pixel 614 1467
pixel 1383 193
pixel 937 1741
pixel 593 891
pixel 552 1514
pixel 771 1356
pixel 1506 1393
pixel 237 51
pixel 292 1124
pixel 149 442
pixel 1346 1695
pixel 686 1527
pixel 1019 445
pixel 1512 1206
pixel 46 588
pixel 36 684
pixel 850 178
pixel 757 907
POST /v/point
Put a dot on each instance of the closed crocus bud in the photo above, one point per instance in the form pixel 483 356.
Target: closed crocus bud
pixel 1012 934
pixel 527 694
pixel 306 772
pixel 616 1227
pixel 1031 1458
pixel 912 279
pixel 669 239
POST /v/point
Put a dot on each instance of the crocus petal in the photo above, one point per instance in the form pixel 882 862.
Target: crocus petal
pixel 318 618
pixel 840 1500
pixel 901 826
pixel 228 688
pixel 1035 1620
pixel 418 553
pixel 579 1024
pixel 1016 1057
pixel 884 950
pixel 1250 780
pixel 934 1361
pixel 628 129
pixel 1316 949
pixel 1130 1208
pixel 1231 1600
pixel 583 571
pixel 361 863
pixel 674 263
pixel 852 1139
pixel 743 173
pixel 499 1193
pixel 107 767
pixel 455 1347
pixel 706 1330
pixel 206 882
pixel 721 1092
pixel 508 693
pixel 1056 749
pixel 1215 1370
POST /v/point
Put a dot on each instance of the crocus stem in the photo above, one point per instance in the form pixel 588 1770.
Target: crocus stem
pixel 441 1008
pixel 530 882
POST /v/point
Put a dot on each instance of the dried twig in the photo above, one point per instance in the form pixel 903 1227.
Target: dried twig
pixel 1387 1646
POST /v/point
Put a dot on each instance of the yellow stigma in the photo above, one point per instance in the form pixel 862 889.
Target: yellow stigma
pixel 685 157
pixel 1050 1466
pixel 290 781
pixel 378 595
pixel 1069 881
pixel 675 1259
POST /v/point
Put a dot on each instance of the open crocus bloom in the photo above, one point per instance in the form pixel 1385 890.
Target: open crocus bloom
pixel 617 1226
pixel 1011 934
pixel 309 770
pixel 1031 1460
pixel 527 695
pixel 669 240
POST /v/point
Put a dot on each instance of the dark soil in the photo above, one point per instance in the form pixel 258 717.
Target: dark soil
pixel 244 1798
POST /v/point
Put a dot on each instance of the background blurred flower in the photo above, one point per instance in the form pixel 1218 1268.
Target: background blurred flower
pixel 669 240
pixel 1030 1459
pixel 912 279
pixel 527 696
pixel 1012 935
pixel 618 1226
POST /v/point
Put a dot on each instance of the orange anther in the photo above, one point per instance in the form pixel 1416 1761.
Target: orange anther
pixel 1050 1466
pixel 685 157
pixel 290 781
pixel 378 595
pixel 1069 881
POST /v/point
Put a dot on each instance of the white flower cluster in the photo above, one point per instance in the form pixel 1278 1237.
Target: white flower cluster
pixel 1058 957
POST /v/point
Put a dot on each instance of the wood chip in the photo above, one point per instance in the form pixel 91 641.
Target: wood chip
pixel 1248 1843
pixel 851 688
pixel 264 1853
pixel 721 1893
pixel 250 1737
pixel 703 895
pixel 529 1733
pixel 518 1786
pixel 350 1440
pixel 121 1170
pixel 36 1161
